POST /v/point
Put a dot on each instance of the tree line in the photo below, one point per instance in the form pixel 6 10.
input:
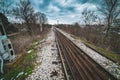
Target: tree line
pixel 102 31
pixel 25 12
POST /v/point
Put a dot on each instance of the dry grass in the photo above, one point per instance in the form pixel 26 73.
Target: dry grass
pixel 23 40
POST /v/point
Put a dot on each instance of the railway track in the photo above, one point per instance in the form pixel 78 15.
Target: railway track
pixel 79 65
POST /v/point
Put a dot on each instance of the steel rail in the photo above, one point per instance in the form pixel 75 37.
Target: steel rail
pixel 81 65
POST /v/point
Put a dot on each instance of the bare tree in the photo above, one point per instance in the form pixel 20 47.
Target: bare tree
pixel 5 6
pixel 89 17
pixel 111 11
pixel 25 12
pixel 42 19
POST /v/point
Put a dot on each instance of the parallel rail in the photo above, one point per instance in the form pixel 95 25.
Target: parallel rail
pixel 81 66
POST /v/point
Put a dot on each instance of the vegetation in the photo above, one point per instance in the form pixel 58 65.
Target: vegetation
pixel 23 39
pixel 111 11
pixel 29 26
pixel 110 54
pixel 100 34
pixel 26 39
pixel 5 7
pixel 93 36
pixel 89 17
pixel 26 12
pixel 103 32
pixel 27 62
pixel 24 67
pixel 9 27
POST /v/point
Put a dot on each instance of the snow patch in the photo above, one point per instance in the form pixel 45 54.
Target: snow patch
pixel 2 79
pixel 29 51
pixel 21 73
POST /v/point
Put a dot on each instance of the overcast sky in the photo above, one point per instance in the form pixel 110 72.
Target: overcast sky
pixel 66 11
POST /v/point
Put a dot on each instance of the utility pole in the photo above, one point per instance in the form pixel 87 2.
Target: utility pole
pixel 57 21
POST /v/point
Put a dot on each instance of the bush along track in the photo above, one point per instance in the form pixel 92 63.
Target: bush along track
pixel 24 66
pixel 109 65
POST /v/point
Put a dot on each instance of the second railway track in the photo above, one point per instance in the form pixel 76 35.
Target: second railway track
pixel 81 66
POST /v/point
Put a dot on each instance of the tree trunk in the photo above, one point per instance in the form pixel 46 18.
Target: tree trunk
pixel 29 29
pixel 41 29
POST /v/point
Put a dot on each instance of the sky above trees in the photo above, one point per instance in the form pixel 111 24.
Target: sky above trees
pixel 66 11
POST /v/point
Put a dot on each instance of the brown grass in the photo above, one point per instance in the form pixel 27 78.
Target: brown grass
pixel 23 40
